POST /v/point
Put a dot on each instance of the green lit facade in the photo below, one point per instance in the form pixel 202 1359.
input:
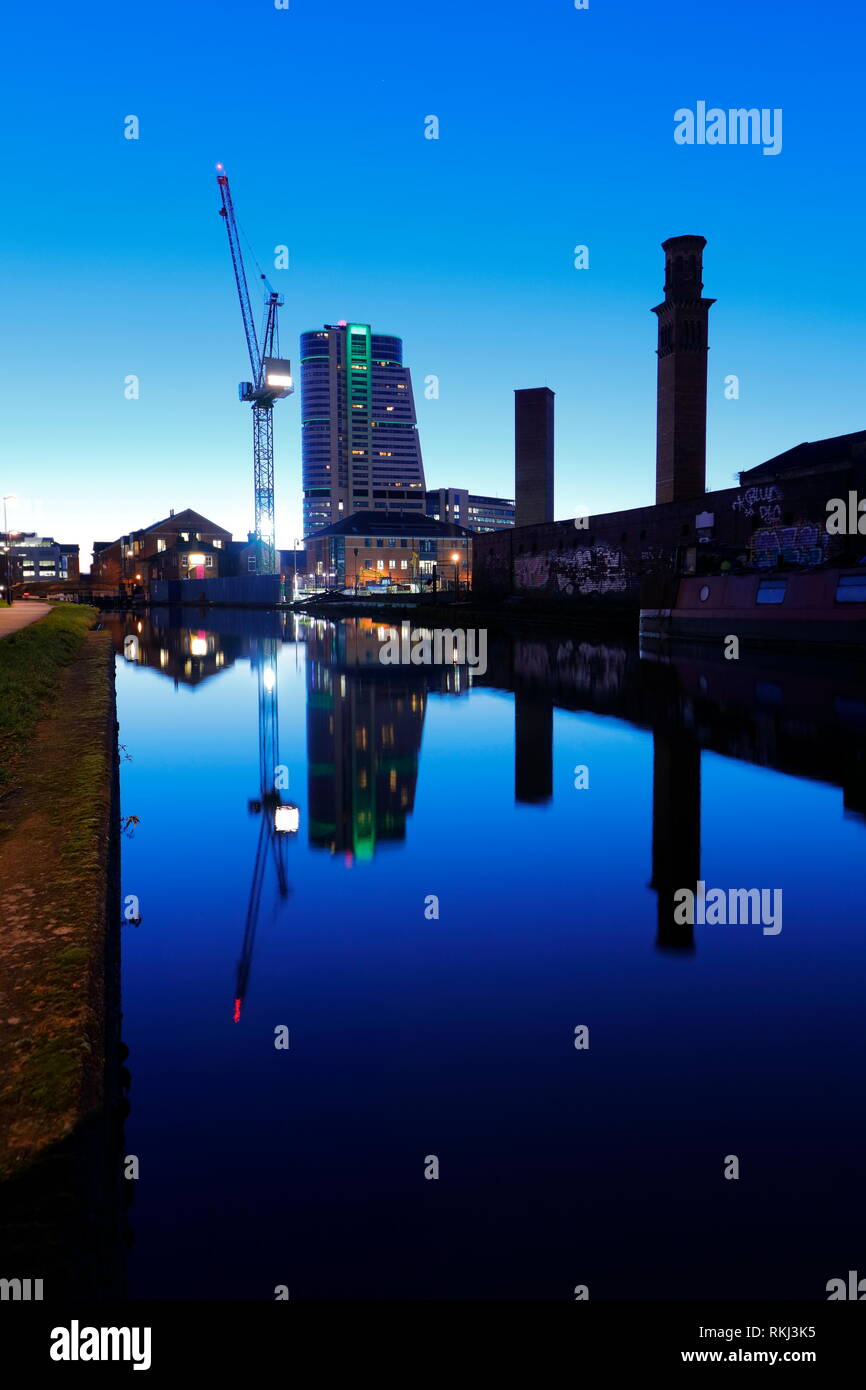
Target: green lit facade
pixel 360 447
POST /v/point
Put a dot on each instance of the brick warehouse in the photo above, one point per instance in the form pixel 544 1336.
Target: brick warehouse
pixel 775 518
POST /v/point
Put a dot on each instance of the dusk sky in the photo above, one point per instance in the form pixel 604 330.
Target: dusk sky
pixel 556 129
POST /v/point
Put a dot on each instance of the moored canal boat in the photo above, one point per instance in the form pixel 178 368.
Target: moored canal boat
pixel 826 606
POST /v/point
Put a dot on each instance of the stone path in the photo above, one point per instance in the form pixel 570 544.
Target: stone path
pixel 20 614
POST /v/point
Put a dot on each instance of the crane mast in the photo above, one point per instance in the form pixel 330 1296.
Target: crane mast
pixel 271 381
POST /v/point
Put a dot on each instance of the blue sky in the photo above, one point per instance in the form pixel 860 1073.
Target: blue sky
pixel 556 129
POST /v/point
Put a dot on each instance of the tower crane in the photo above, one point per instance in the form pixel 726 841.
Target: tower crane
pixel 272 381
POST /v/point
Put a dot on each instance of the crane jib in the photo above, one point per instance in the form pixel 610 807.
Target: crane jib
pixel 271 381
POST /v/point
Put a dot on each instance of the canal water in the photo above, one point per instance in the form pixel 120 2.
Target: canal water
pixel 431 883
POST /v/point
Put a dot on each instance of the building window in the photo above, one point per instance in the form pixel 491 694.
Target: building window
pixel 851 588
pixel 380 564
pixel 160 544
pixel 208 562
pixel 404 564
pixel 772 591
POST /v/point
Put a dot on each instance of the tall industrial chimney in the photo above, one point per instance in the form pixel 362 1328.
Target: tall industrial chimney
pixel 533 455
pixel 681 427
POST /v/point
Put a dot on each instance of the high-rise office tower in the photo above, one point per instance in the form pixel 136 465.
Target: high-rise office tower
pixel 360 445
pixel 683 315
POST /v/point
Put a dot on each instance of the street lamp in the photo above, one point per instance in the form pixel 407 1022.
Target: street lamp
pixel 456 559
pixel 9 497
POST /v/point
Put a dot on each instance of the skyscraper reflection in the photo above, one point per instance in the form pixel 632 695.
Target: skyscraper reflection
pixel 364 726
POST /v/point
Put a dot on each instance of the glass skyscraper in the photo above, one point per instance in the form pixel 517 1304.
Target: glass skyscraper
pixel 360 445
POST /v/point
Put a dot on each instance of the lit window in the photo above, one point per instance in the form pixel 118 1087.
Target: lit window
pixel 772 591
pixel 851 588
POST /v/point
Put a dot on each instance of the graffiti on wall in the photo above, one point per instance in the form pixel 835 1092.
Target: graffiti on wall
pixel 766 501
pixel 597 569
pixel 803 543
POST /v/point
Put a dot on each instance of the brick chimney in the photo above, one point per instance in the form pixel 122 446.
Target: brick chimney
pixel 681 422
pixel 533 455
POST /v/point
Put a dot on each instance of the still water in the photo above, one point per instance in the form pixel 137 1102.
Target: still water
pixel 413 1035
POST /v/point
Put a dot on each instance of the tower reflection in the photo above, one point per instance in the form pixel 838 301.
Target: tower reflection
pixel 364 727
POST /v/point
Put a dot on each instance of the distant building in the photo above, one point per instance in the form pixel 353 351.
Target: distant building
pixel 533 455
pixel 371 548
pixel 292 561
pixel 184 545
pixel 39 557
pixel 183 559
pixel 244 556
pixel 468 509
pixel 359 432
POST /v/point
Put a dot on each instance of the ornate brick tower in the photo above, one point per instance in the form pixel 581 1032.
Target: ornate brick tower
pixel 681 429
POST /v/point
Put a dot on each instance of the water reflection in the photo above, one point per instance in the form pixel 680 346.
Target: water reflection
pixel 454 1035
pixel 278 818
pixel 365 721
pixel 364 727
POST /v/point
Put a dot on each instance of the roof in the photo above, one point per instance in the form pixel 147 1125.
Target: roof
pixel 187 520
pixel 390 524
pixel 823 453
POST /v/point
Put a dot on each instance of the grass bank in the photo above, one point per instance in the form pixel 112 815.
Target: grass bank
pixel 59 894
pixel 31 664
